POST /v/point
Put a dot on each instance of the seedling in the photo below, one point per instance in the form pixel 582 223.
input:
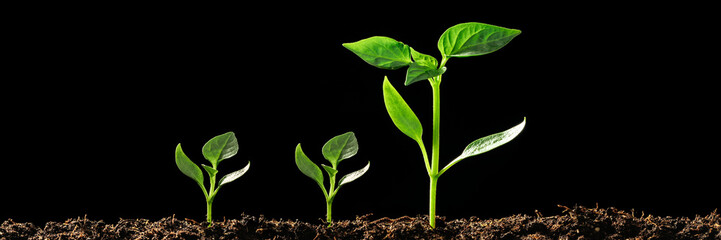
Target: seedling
pixel 337 149
pixel 217 149
pixel 462 40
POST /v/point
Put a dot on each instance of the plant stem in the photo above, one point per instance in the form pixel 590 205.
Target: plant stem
pixel 210 197
pixel 329 200
pixel 436 85
pixel 329 209
pixel 425 156
pixel 432 207
pixel 210 212
pixel 435 151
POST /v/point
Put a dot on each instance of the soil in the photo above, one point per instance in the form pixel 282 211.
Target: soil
pixel 572 223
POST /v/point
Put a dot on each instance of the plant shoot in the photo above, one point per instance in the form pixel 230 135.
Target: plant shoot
pixel 219 148
pixel 337 149
pixel 462 40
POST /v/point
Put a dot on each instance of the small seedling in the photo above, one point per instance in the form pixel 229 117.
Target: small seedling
pixel 217 149
pixel 337 149
pixel 462 40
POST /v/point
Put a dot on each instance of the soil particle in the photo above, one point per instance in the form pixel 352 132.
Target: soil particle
pixel 577 223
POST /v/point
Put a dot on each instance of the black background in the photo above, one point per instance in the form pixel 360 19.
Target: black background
pixel 619 104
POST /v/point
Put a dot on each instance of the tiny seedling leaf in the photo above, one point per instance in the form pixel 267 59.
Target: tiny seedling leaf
pixel 423 67
pixel 211 171
pixel 330 170
pixel 488 143
pixel 474 39
pixel 234 175
pixel 307 167
pixel 382 52
pixel 353 176
pixel 220 147
pixel 187 167
pixel 403 117
pixel 418 72
pixel 424 59
pixel 340 147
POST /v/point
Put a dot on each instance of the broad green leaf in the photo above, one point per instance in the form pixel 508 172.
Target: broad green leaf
pixel 487 143
pixel 307 167
pixel 382 52
pixel 330 170
pixel 353 176
pixel 474 39
pixel 401 114
pixel 220 147
pixel 340 147
pixel 234 175
pixel 211 171
pixel 417 73
pixel 187 167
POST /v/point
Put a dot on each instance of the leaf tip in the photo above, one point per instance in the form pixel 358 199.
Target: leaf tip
pixel 179 152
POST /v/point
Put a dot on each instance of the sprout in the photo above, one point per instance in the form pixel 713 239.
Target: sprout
pixel 216 150
pixel 337 149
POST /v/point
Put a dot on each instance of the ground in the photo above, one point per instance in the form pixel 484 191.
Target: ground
pixel 573 223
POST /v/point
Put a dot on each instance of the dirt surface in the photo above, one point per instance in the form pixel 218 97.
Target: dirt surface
pixel 572 223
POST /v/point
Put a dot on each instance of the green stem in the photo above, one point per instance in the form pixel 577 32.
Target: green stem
pixel 210 212
pixel 432 207
pixel 329 210
pixel 210 197
pixel 329 200
pixel 435 151
pixel 443 62
pixel 425 156
pixel 436 85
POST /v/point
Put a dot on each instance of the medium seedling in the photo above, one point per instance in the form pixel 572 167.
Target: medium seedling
pixel 337 149
pixel 217 149
pixel 462 40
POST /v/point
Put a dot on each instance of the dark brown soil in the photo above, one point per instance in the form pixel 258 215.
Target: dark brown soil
pixel 572 223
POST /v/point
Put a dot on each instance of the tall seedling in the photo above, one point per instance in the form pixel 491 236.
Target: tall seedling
pixel 216 150
pixel 462 40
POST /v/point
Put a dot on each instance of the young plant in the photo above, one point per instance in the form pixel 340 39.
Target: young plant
pixel 462 40
pixel 337 149
pixel 217 149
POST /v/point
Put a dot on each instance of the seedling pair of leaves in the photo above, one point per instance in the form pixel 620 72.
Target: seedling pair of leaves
pixel 462 40
pixel 337 149
pixel 216 150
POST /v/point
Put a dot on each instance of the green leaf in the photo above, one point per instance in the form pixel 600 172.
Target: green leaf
pixel 353 176
pixel 330 170
pixel 474 39
pixel 220 147
pixel 307 167
pixel 487 143
pixel 401 114
pixel 211 171
pixel 423 67
pixel 382 52
pixel 424 59
pixel 418 72
pixel 340 147
pixel 187 167
pixel 234 175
